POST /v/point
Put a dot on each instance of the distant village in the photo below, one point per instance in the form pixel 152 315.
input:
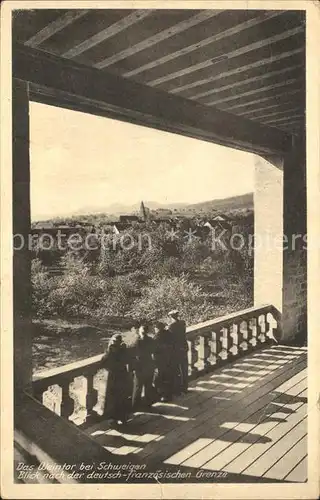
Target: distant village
pixel 183 219
pixel 196 222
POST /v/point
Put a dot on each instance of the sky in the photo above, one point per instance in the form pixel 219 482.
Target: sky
pixel 83 163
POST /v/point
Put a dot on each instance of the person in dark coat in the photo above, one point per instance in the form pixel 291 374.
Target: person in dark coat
pixel 177 329
pixel 164 360
pixel 143 369
pixel 118 388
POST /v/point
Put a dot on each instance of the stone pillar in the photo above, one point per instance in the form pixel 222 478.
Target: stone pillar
pixel 295 254
pixel 21 230
pixel 268 231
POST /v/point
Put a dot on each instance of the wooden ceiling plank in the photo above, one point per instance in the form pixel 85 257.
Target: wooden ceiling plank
pixel 235 53
pixel 202 43
pixel 291 124
pixel 157 38
pixel 290 127
pixel 264 99
pixel 244 82
pixel 284 119
pixel 276 113
pixel 265 108
pixel 238 70
pixel 131 101
pixel 253 91
pixel 55 26
pixel 108 32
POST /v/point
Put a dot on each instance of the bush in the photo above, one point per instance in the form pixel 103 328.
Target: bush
pixel 165 293
pixel 40 288
pixel 79 293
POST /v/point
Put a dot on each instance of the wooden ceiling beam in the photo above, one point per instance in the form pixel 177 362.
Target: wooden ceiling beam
pixel 108 32
pixel 201 43
pixel 253 79
pixel 229 55
pixel 157 38
pixel 284 83
pixel 238 70
pixel 89 90
pixel 55 26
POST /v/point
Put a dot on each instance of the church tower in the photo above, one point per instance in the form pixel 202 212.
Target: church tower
pixel 143 212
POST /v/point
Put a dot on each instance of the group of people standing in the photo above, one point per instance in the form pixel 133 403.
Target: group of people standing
pixel 154 368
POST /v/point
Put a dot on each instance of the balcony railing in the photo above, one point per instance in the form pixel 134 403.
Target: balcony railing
pixel 77 391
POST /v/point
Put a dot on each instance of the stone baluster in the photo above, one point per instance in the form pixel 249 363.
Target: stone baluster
pixel 259 329
pixel 225 342
pixel 99 384
pixel 263 328
pixel 78 392
pixel 252 329
pixel 192 358
pixel 204 352
pixel 220 345
pixel 92 395
pixel 272 332
pixel 234 338
pixel 52 398
pixel 67 404
pixel 243 339
pixel 215 349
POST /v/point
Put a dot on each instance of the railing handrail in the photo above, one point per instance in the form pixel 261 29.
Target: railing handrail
pixel 192 331
pixel 60 370
pixel 243 314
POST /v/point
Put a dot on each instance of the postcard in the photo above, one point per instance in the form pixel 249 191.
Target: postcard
pixel 160 249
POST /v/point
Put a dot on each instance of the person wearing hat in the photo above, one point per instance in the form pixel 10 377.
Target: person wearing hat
pixel 164 360
pixel 177 329
pixel 144 367
pixel 118 387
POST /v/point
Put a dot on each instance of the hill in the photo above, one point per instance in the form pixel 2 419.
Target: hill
pixel 232 205
pixel 244 201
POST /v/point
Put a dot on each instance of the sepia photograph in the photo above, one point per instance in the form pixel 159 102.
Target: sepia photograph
pixel 160 306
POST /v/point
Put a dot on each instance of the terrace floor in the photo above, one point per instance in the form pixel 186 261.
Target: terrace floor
pixel 247 419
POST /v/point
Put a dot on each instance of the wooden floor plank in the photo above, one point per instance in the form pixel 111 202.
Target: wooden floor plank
pixel 217 387
pixel 224 461
pixel 255 412
pixel 281 469
pixel 192 398
pixel 231 387
pixel 278 450
pixel 252 454
pixel 299 473
pixel 194 412
pixel 235 449
pixel 213 415
pixel 207 427
pixel 196 405
pixel 124 450
pixel 224 450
